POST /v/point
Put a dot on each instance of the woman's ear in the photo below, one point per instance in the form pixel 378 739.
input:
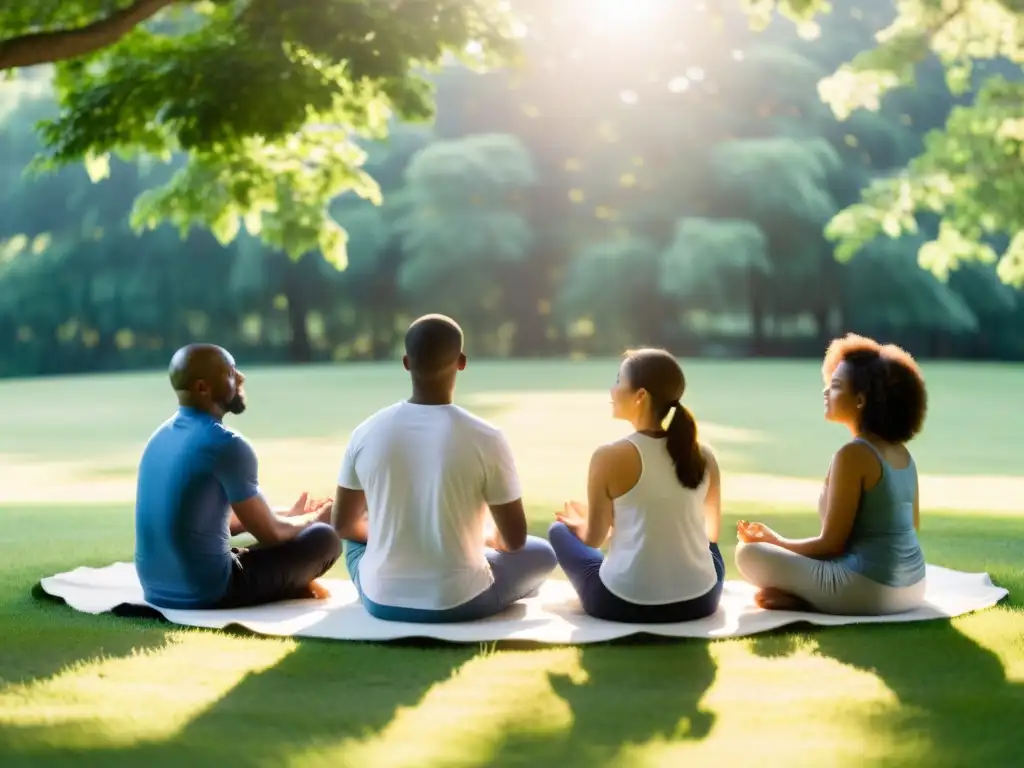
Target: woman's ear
pixel 641 397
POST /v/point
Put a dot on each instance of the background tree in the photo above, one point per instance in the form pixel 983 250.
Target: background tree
pixel 781 185
pixel 603 297
pixel 466 223
pixel 711 270
pixel 971 172
pixel 622 185
pixel 266 98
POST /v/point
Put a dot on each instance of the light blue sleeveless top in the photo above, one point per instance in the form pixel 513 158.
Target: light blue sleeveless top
pixel 883 545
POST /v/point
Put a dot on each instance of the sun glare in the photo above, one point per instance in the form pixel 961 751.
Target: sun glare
pixel 626 13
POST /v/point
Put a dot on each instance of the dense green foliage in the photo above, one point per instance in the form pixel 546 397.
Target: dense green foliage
pixel 264 97
pixel 625 184
pixel 972 172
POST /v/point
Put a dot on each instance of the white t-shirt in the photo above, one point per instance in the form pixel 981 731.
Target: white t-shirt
pixel 659 550
pixel 429 473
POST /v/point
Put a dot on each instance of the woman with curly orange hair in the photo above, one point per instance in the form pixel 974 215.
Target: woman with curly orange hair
pixel 867 559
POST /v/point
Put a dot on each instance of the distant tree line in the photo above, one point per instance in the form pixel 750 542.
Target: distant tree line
pixel 625 185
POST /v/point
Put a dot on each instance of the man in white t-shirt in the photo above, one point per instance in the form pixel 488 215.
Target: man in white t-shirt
pixel 414 489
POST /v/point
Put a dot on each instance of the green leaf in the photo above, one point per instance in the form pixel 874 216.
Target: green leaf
pixel 1011 266
pixel 226 227
pixel 253 220
pixel 891 226
pixel 334 246
pixel 268 101
pixel 97 166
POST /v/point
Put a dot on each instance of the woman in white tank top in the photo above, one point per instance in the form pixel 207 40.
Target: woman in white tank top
pixel 657 493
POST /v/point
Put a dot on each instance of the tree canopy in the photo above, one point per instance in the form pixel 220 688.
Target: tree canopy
pixel 971 171
pixel 266 98
pixel 620 184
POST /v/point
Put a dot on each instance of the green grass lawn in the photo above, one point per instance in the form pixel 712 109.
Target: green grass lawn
pixel 80 689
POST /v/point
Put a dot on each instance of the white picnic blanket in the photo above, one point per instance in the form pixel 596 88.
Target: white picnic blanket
pixel 553 617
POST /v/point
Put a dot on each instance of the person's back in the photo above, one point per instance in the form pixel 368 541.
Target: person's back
pixel 429 472
pixel 197 484
pixel 883 543
pixel 658 493
pixel 414 488
pixel 866 559
pixel 182 539
pixel 658 551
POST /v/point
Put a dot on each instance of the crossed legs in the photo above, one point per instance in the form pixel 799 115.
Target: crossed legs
pixel 288 571
pixel 788 581
pixel 516 575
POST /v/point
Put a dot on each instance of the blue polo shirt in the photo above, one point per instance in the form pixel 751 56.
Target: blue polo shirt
pixel 192 469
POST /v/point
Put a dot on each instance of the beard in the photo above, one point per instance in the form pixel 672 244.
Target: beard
pixel 236 404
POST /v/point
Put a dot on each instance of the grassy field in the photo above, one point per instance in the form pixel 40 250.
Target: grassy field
pixel 79 689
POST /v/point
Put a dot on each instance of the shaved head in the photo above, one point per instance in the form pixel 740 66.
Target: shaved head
pixel 433 344
pixel 204 376
pixel 195 362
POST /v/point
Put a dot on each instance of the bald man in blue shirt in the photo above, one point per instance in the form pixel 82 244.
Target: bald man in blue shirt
pixel 198 485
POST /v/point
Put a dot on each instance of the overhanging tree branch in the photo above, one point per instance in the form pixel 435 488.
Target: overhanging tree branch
pixel 62 44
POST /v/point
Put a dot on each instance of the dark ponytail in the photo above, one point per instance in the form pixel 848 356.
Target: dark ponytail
pixel 681 441
pixel 657 372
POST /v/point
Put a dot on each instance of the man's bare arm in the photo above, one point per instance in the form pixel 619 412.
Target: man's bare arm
pixel 257 518
pixel 510 520
pixel 349 515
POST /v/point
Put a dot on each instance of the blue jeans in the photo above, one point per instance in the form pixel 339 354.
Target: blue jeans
pixel 582 564
pixel 516 575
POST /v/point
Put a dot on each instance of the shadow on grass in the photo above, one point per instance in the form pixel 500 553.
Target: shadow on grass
pixel 954 698
pixel 635 692
pixel 953 693
pixel 356 693
pixel 631 692
pixel 322 694
pixel 42 637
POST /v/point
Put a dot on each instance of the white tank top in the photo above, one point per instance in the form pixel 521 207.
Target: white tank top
pixel 659 550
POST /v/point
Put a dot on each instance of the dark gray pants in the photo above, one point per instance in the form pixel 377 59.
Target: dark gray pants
pixel 271 574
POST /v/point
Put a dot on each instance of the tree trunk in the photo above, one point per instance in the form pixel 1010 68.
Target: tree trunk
pixel 651 321
pixel 382 334
pixel 829 299
pixel 299 349
pixel 521 296
pixel 383 299
pixel 757 314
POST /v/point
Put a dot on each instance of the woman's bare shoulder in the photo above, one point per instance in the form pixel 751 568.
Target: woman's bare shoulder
pixel 855 454
pixel 615 450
